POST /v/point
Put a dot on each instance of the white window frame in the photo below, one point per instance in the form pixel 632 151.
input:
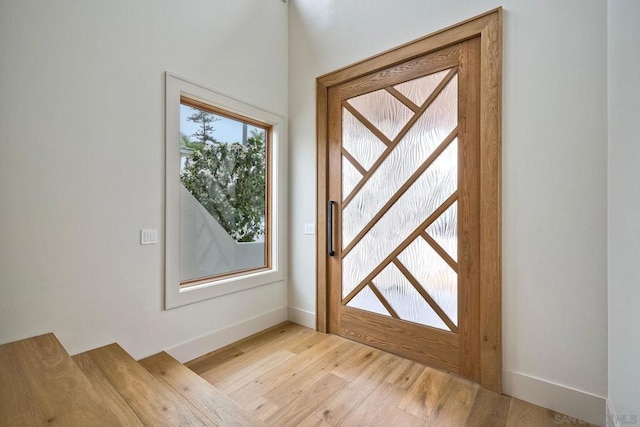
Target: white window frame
pixel 175 295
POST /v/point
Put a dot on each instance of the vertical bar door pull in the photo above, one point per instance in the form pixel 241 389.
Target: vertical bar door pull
pixel 330 250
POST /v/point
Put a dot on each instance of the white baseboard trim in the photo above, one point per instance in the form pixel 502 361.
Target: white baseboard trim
pixel 612 421
pixel 302 317
pixel 225 336
pixel 563 399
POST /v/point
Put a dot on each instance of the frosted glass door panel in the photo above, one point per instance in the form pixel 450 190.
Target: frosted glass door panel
pixel 434 275
pixel 435 124
pixel 373 228
pixel 383 111
pixel 405 299
pixel 421 199
pixel 363 145
pixel 350 176
pixel 444 231
pixel 367 300
pixel 418 90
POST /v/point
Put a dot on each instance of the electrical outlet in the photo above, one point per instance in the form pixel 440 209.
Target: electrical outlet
pixel 309 229
pixel 148 236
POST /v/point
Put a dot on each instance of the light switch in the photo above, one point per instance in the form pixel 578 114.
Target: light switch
pixel 309 229
pixel 148 236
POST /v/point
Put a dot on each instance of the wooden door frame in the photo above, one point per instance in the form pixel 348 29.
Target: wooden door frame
pixel 488 27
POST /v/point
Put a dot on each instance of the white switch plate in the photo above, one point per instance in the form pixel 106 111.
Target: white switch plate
pixel 309 229
pixel 148 236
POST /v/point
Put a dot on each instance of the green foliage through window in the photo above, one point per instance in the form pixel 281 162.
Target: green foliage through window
pixel 228 179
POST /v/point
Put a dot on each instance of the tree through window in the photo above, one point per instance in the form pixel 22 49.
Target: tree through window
pixel 223 167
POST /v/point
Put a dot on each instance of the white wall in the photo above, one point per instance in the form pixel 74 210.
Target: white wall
pixel 554 186
pixel 624 208
pixel 82 163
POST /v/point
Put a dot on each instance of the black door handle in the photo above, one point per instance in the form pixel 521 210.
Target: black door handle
pixel 330 250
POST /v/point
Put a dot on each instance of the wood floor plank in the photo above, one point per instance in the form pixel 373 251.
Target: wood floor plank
pixel 455 404
pixel 523 414
pixel 360 360
pixel 106 390
pixel 398 417
pixel 307 402
pixel 358 389
pixel 58 387
pixel 281 333
pixel 266 382
pixel 313 421
pixel 238 379
pixel 424 394
pixel 152 401
pixel 17 405
pixel 306 343
pixel 296 385
pixel 241 361
pixel 489 409
pixel 262 408
pixel 406 374
pixel 213 359
pixel 527 414
pixel 216 357
pixel 214 404
pixel 374 409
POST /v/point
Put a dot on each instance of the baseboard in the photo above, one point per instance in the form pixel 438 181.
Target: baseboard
pixel 302 317
pixel 611 416
pixel 566 400
pixel 225 336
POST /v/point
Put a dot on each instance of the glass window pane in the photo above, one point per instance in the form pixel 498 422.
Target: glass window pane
pixel 223 182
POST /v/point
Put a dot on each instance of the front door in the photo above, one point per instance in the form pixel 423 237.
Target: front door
pixel 409 190
pixel 403 209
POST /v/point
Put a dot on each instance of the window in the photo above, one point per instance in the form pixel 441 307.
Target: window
pixel 224 181
pixel 224 194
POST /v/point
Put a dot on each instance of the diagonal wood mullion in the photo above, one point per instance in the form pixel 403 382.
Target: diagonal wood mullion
pixel 401 247
pixel 400 135
pixel 400 97
pixel 362 119
pixel 424 294
pixel 356 164
pixel 366 177
pixel 383 300
pixel 403 189
pixel 436 247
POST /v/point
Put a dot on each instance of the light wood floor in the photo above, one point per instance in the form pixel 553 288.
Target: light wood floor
pixel 294 376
